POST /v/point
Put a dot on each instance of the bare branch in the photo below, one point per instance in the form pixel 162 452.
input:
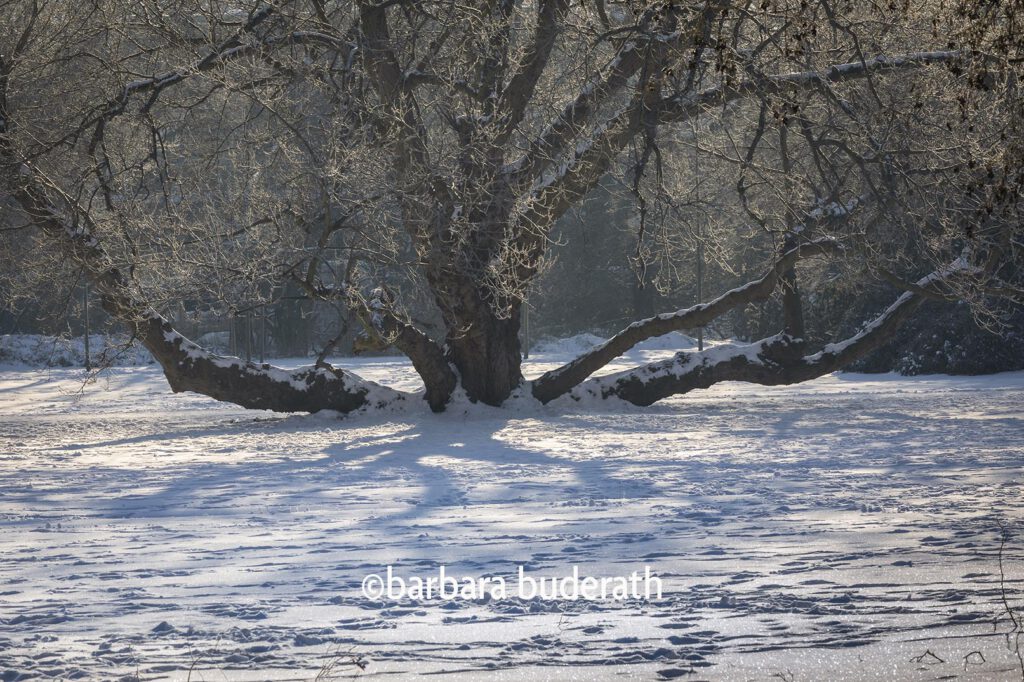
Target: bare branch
pixel 379 314
pixel 555 194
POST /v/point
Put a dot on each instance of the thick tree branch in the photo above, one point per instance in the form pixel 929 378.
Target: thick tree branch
pixel 555 139
pixel 554 194
pixel 771 362
pixel 379 315
pixel 187 366
pixel 380 59
pixel 519 91
pixel 560 381
pixel 424 195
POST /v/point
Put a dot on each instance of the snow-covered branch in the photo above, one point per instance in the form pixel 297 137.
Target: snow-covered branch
pixel 517 95
pixel 773 361
pixel 681 108
pixel 379 314
pixel 559 381
pixel 552 143
pixel 187 366
pixel 655 44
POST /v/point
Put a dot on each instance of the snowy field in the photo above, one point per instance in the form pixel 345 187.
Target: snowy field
pixel 845 529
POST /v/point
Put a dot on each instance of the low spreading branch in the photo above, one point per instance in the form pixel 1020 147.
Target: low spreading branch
pixel 560 381
pixel 381 318
pixel 774 361
pixel 187 366
pixel 427 357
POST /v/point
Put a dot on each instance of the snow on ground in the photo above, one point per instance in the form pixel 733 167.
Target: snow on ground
pixel 847 528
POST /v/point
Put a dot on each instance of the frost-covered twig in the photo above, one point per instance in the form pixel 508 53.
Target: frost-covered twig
pixel 1014 634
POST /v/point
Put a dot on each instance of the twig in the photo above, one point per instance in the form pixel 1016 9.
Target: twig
pixel 1013 635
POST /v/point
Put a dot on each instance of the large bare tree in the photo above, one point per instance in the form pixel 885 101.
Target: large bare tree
pixel 175 148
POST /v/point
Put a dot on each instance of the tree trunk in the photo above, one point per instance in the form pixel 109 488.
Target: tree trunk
pixel 487 355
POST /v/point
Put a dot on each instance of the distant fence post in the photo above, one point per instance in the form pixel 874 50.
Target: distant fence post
pixel 85 306
pixel 248 337
pixel 263 336
pixel 700 285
